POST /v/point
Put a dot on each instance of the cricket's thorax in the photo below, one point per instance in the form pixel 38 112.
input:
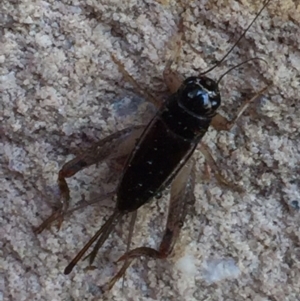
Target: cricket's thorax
pixel 167 143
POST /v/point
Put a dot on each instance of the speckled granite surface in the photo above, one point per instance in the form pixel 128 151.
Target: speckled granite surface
pixel 60 91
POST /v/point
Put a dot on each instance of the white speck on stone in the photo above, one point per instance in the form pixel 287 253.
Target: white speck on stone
pixel 28 20
pixel 67 129
pixel 219 269
pixel 186 264
pixel 43 40
pixel 7 81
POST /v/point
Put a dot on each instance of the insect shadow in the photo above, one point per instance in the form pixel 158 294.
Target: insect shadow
pixel 157 155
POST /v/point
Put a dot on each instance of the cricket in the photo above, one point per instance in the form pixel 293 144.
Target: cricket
pixel 156 156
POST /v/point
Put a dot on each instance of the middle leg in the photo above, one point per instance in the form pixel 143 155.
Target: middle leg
pixel 221 123
pixel 121 142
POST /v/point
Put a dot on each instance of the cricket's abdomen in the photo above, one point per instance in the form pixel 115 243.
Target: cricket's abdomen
pixel 154 160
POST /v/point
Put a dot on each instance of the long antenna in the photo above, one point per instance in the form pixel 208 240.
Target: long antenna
pixel 245 31
pixel 240 64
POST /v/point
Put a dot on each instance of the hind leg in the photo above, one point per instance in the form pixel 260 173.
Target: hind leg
pixel 117 145
pixel 182 200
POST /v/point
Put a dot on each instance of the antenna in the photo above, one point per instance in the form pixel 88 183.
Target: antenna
pixel 230 50
pixel 240 64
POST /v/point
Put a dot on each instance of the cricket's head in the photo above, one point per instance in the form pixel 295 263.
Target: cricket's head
pixel 200 96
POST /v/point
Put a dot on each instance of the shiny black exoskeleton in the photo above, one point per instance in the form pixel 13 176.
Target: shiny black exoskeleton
pixel 168 142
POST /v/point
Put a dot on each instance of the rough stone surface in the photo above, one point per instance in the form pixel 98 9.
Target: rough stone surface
pixel 61 91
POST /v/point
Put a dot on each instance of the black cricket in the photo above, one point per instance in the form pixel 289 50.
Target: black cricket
pixel 159 155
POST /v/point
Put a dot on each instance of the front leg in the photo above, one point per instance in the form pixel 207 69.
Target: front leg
pixel 220 123
pixel 172 78
pixel 115 146
pixel 149 97
pixel 181 200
